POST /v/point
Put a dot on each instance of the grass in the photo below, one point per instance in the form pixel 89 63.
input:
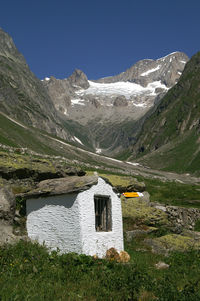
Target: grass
pixel 14 135
pixel 173 193
pixel 181 156
pixel 28 272
pixel 197 226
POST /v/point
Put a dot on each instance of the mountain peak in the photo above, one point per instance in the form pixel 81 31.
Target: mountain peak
pixel 79 78
pixel 167 70
pixel 8 49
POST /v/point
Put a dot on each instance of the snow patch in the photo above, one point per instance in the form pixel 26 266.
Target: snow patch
pixel 77 140
pixel 115 160
pixel 133 163
pixel 142 105
pixel 65 112
pixel 98 150
pixel 77 101
pixel 151 71
pixel 184 62
pixel 164 57
pixel 154 85
pixel 119 88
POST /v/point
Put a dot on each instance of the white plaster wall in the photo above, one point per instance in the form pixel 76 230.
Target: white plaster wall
pixel 55 222
pixel 99 242
pixel 67 222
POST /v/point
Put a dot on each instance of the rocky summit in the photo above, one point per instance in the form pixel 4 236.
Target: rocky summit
pixel 110 104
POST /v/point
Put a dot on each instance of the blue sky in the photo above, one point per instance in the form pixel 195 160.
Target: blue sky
pixel 101 38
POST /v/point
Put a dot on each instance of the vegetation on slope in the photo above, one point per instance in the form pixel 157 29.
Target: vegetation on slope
pixel 173 193
pixel 28 272
pixel 173 130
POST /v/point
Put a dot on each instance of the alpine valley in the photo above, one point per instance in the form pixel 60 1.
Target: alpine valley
pixel 114 116
pixel 139 133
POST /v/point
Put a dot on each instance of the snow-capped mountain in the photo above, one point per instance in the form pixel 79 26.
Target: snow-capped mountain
pixel 126 97
pixel 127 89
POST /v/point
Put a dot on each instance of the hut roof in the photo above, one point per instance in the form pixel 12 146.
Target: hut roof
pixel 61 186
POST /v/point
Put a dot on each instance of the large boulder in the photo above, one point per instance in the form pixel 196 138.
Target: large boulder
pixel 172 242
pixel 124 183
pixel 7 235
pixel 7 204
pixel 120 101
pixel 38 171
pixel 141 213
pixel 7 214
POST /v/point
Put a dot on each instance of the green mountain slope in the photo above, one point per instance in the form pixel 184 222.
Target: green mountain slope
pixel 170 137
pixel 17 137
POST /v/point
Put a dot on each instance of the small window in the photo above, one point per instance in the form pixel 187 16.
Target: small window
pixel 102 207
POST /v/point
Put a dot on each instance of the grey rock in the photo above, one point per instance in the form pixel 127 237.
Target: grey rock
pixel 96 103
pixel 161 265
pixel 182 218
pixel 63 185
pixel 120 101
pixel 192 234
pixel 130 235
pixel 130 185
pixel 10 173
pixel 163 208
pixel 145 198
pixel 7 204
pixel 6 231
pixel 156 247
pixel 78 78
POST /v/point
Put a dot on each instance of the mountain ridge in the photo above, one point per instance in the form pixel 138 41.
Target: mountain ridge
pixel 111 104
pixel 174 128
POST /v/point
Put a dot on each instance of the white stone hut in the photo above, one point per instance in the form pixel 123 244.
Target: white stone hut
pixel 75 214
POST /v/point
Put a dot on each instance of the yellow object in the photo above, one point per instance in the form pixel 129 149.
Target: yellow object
pixel 131 194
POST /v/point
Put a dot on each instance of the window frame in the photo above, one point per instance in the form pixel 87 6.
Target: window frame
pixel 103 213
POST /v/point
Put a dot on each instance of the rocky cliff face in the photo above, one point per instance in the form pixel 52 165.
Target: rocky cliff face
pixel 62 91
pixel 22 95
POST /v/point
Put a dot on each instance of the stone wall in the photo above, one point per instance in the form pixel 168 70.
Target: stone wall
pixel 180 217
